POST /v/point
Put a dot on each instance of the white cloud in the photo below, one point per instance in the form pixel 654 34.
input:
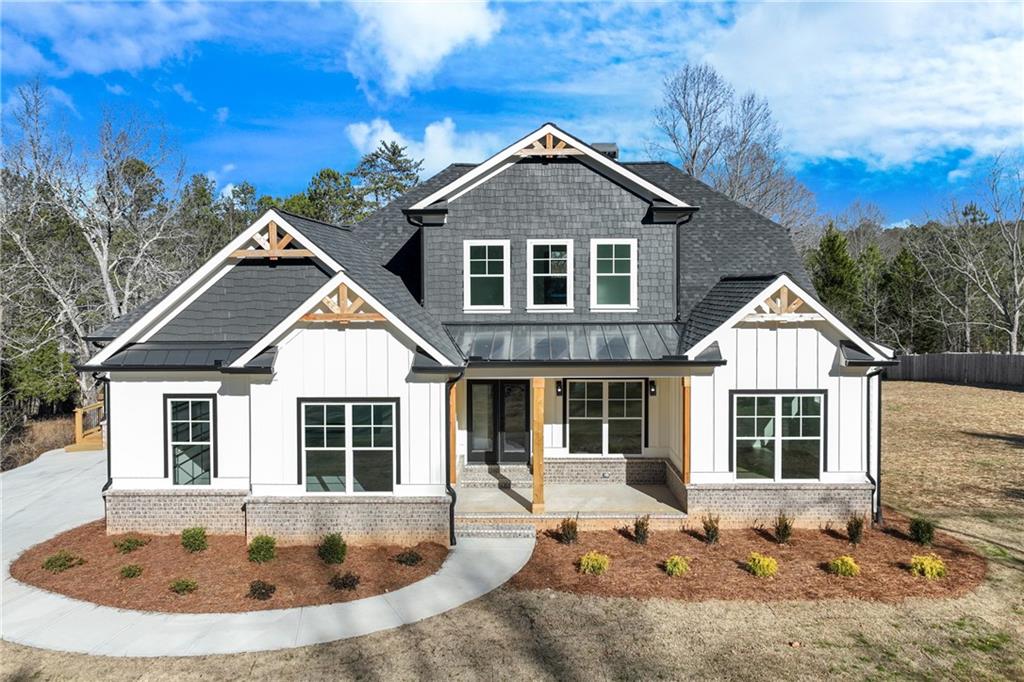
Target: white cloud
pixel 62 98
pixel 900 224
pixel 440 145
pixel 18 56
pixel 116 89
pixel 184 93
pixel 399 42
pixel 222 114
pixel 226 190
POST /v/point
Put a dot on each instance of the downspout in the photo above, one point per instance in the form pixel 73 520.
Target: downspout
pixel 105 381
pixel 675 281
pixel 449 386
pixel 877 479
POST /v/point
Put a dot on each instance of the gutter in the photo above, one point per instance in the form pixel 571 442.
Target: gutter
pixel 675 261
pixel 875 480
pixel 449 386
pixel 681 361
pixel 105 382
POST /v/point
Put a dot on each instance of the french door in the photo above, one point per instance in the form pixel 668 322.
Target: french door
pixel 499 422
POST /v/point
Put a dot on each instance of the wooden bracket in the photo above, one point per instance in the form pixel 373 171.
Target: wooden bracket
pixel 549 147
pixel 782 305
pixel 273 246
pixel 343 311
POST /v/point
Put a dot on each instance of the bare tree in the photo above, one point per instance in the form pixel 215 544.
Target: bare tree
pixel 732 143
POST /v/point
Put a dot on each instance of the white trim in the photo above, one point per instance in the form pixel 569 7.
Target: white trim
pixel 785 280
pixel 312 301
pixel 778 438
pixel 604 418
pixel 634 267
pixel 545 129
pixel 506 306
pixel 197 277
pixel 348 450
pixel 570 274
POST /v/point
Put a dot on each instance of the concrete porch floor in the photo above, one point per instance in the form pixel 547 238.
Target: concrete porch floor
pixel 604 498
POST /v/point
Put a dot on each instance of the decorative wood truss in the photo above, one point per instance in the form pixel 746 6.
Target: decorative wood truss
pixel 338 307
pixel 273 246
pixel 549 146
pixel 782 306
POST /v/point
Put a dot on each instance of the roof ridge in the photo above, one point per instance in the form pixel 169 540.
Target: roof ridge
pixel 347 228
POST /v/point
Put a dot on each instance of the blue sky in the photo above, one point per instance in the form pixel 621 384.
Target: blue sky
pixel 897 104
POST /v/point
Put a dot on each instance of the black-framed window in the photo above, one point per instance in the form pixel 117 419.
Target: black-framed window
pixel 190 435
pixel 606 416
pixel 348 445
pixel 778 436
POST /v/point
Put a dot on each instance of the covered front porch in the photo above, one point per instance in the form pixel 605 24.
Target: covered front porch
pixel 563 499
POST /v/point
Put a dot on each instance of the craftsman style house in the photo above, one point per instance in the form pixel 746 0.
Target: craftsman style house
pixel 547 332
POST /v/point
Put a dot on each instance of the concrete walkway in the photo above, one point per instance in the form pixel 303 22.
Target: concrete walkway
pixel 60 491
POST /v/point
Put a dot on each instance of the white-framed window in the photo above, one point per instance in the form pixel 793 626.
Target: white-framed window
pixel 190 438
pixel 486 278
pixel 606 417
pixel 549 267
pixel 778 436
pixel 349 446
pixel 613 274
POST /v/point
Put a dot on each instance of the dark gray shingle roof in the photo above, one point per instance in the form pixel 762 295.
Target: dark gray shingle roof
pixel 722 302
pixel 111 330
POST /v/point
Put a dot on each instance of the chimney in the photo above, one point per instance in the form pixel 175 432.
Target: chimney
pixel 609 149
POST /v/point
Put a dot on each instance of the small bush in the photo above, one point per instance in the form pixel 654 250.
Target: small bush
pixel 131 571
pixel 194 539
pixel 261 590
pixel 262 549
pixel 348 581
pixel 676 565
pixel 783 528
pixel 710 524
pixel 184 585
pixel 928 566
pixel 594 563
pixel 409 557
pixel 62 561
pixel 568 531
pixel 642 529
pixel 855 529
pixel 762 565
pixel 844 566
pixel 332 549
pixel 922 531
pixel 129 544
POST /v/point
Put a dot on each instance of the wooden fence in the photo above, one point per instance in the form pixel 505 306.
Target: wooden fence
pixel 961 368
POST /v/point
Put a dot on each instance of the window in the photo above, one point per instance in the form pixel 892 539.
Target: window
pixel 606 417
pixel 778 437
pixel 549 265
pixel 486 279
pixel 190 438
pixel 349 446
pixel 613 274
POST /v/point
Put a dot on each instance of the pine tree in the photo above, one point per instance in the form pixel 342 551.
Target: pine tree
pixel 386 173
pixel 871 266
pixel 835 275
pixel 908 296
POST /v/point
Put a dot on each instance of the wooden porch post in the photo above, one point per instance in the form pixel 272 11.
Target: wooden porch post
pixel 686 431
pixel 537 428
pixel 452 431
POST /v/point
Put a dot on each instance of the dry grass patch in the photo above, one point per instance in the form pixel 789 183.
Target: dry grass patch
pixel 39 436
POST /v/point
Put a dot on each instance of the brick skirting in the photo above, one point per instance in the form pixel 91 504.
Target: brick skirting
pixel 166 512
pixel 810 504
pixel 596 470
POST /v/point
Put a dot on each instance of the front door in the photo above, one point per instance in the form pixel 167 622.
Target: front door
pixel 499 422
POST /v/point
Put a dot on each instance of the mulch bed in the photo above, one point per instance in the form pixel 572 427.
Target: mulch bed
pixel 223 572
pixel 718 572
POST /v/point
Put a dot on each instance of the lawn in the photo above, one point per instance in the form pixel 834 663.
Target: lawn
pixel 951 452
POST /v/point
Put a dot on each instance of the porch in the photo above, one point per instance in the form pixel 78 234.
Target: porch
pixel 610 500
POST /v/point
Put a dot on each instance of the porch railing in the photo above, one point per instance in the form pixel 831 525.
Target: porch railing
pixel 88 427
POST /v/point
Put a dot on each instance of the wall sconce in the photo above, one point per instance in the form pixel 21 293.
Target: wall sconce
pixel 654 388
pixel 558 388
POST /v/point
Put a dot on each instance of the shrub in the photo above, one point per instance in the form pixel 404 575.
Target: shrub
pixel 568 531
pixel 710 524
pixel 783 528
pixel 184 585
pixel 348 581
pixel 262 549
pixel 594 563
pixel 194 539
pixel 642 529
pixel 928 566
pixel 409 557
pixel 844 566
pixel 62 561
pixel 855 529
pixel 676 565
pixel 332 549
pixel 131 571
pixel 762 565
pixel 129 544
pixel 261 590
pixel 922 531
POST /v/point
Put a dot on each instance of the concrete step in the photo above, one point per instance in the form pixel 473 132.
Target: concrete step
pixel 506 476
pixel 493 530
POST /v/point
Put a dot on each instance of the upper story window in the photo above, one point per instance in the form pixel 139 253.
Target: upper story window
pixel 778 436
pixel 485 275
pixel 613 274
pixel 549 270
pixel 190 439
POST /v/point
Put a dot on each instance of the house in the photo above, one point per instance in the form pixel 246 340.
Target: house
pixel 532 334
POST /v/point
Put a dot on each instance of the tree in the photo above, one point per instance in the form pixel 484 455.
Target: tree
pixel 385 174
pixel 333 199
pixel 835 275
pixel 871 270
pixel 907 301
pixel 731 142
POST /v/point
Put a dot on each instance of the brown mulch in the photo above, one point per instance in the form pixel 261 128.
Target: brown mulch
pixel 717 572
pixel 223 572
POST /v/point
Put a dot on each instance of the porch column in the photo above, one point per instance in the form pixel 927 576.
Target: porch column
pixel 537 429
pixel 686 431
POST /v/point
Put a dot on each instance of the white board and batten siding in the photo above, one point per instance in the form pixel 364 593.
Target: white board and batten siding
pixel 780 358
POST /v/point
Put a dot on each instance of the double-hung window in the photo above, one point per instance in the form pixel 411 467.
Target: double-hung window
pixel 486 275
pixel 549 275
pixel 190 438
pixel 349 446
pixel 778 436
pixel 606 417
pixel 613 274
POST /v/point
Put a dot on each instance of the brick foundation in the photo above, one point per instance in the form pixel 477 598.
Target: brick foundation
pixel 809 504
pixel 596 470
pixel 166 512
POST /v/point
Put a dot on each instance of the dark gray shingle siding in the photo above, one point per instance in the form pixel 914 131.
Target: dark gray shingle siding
pixel 117 326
